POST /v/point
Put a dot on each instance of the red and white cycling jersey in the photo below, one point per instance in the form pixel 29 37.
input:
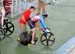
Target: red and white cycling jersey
pixel 36 18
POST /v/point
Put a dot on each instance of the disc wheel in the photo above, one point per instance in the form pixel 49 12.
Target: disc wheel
pixel 47 39
pixel 8 28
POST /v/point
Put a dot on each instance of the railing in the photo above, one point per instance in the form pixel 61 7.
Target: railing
pixel 18 6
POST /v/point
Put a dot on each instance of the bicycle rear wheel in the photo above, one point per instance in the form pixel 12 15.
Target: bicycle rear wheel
pixel 47 39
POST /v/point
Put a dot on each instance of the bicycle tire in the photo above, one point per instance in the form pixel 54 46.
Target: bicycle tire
pixel 7 28
pixel 48 41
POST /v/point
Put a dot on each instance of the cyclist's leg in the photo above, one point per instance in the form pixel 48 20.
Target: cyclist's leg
pixel 32 26
pixel 3 15
pixel 0 22
pixel 8 16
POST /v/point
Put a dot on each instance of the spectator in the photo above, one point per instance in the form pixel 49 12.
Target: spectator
pixel 41 6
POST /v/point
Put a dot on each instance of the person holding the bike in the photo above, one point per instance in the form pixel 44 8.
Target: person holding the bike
pixel 35 22
pixel 23 20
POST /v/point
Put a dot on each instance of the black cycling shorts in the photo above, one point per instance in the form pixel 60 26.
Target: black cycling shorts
pixel 31 24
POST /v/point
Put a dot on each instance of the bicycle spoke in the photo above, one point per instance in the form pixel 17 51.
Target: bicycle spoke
pixel 43 40
pixel 5 31
pixel 6 25
pixel 47 42
pixel 10 31
pixel 49 36
pixel 11 26
pixel 1 32
pixel 51 40
pixel 45 36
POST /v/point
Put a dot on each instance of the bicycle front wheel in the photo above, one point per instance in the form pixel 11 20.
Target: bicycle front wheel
pixel 9 28
pixel 47 39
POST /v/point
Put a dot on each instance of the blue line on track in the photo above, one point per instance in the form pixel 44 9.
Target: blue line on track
pixel 65 46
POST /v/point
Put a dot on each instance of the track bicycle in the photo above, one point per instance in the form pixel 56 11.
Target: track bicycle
pixel 46 38
pixel 7 29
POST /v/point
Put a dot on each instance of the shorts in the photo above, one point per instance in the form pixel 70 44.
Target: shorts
pixel 21 21
pixel 31 24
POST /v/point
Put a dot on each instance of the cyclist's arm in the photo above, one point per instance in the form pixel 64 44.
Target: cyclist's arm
pixel 42 22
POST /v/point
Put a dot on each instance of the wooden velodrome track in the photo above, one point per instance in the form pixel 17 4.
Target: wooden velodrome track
pixel 61 20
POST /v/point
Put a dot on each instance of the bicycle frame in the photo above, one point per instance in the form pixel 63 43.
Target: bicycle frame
pixel 42 32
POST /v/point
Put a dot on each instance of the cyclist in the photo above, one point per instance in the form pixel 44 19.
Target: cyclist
pixel 2 15
pixel 35 22
pixel 25 17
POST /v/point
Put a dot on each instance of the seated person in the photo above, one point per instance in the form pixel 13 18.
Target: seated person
pixel 35 22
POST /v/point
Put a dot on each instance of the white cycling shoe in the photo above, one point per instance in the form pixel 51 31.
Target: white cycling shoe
pixel 32 42
pixel 47 30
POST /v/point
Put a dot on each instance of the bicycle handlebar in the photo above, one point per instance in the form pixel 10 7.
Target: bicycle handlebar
pixel 41 29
